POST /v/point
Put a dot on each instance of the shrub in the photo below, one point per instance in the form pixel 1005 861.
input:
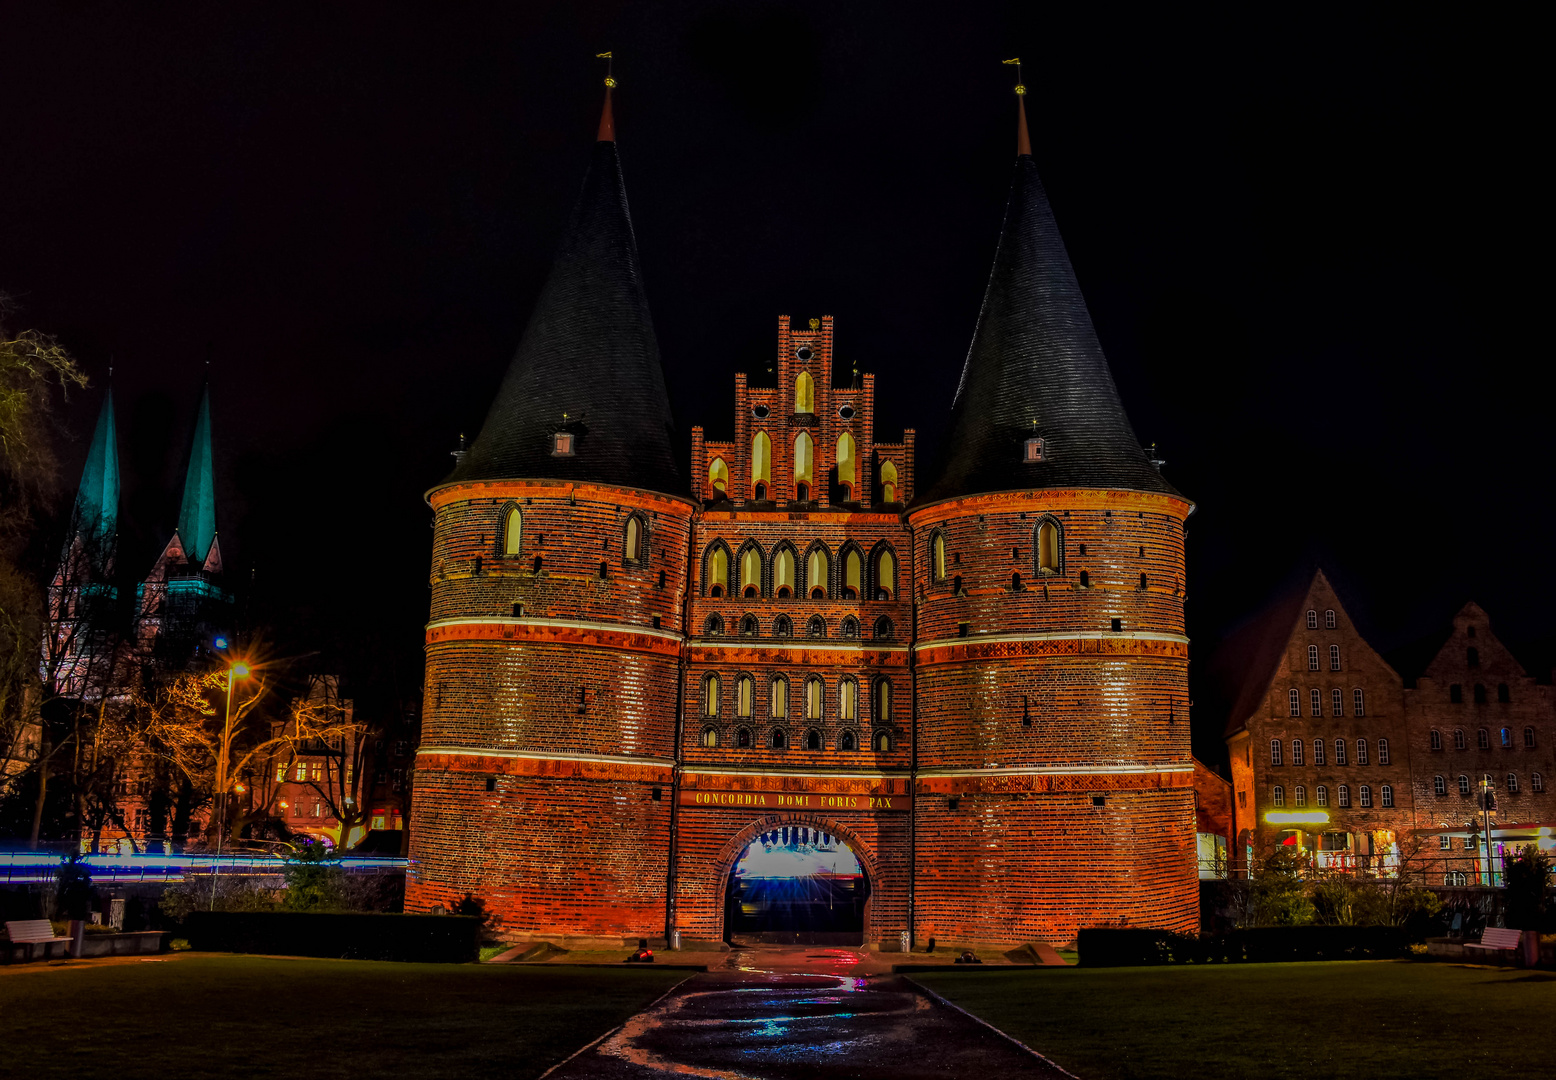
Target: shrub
pixel 314 879
pixel 1525 879
pixel 233 892
pixel 73 887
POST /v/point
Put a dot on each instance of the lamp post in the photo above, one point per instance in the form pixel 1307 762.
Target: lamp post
pixel 1487 804
pixel 238 670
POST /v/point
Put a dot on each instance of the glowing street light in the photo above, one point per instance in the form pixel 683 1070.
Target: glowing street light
pixel 237 670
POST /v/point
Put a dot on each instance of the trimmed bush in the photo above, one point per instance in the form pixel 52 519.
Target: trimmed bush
pixel 1140 947
pixel 427 939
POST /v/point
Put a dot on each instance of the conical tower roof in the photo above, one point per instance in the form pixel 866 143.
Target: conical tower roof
pixel 96 515
pixel 1036 369
pixel 197 513
pixel 588 363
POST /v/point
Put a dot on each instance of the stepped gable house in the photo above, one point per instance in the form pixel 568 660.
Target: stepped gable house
pixel 959 696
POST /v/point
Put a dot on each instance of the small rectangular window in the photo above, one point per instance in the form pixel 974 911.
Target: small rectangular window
pixel 1033 450
pixel 562 444
pixel 1445 842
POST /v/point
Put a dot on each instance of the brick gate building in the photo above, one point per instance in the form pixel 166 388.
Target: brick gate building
pixel 977 684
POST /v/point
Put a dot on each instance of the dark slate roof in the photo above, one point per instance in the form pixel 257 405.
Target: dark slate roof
pixel 1035 357
pixel 589 351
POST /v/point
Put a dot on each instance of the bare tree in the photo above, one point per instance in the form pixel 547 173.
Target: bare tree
pixel 346 752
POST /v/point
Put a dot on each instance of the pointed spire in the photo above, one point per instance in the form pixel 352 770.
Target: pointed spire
pixel 584 398
pixel 97 499
pixel 197 513
pixel 607 121
pixel 1036 406
pixel 1023 140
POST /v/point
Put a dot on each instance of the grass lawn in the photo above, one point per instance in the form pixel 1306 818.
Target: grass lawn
pixel 255 1017
pixel 1354 1019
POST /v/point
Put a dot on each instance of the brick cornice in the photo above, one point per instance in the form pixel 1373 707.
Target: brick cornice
pixel 1086 643
pixel 440 497
pixel 1049 499
pixel 801 651
pixel 1054 779
pixel 465 759
pixel 578 632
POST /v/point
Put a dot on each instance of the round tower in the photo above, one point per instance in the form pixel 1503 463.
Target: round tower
pixel 559 569
pixel 1054 776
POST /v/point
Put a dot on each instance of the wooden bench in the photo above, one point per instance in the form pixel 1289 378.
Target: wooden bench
pixel 1495 939
pixel 31 932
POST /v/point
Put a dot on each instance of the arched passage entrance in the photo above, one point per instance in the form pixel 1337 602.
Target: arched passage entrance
pixel 797 882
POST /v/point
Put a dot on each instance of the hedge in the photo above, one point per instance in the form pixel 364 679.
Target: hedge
pixel 1135 947
pixel 428 939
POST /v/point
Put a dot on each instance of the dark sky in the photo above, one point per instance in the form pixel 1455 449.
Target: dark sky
pixel 1306 238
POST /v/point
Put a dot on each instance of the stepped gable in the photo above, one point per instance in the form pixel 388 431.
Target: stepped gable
pixel 589 353
pixel 1035 357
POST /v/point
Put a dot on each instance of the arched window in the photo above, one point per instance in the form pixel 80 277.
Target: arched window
pixel 710 695
pixel 1321 795
pixel 1512 783
pixel 714 626
pixel 813 739
pixel 888 482
pixel 748 626
pixel 512 531
pixel 1480 693
pixel 718 478
pixel 1299 795
pixel 1437 739
pixel 1536 783
pixel 1316 701
pixel 761 464
pixel 632 545
pixel 1439 785
pixel 1504 695
pixel 710 736
pixel 937 555
pixel 1015 582
pixel 1334 658
pixel 1364 795
pixel 847 473
pixel 847 699
pixel 1049 546
pixel 1296 751
pixel 1383 751
pixel 745 693
pixel 1294 701
pixel 1329 619
pixel 1358 702
pixel 817 568
pixel 1483 739
pixel 884 627
pixel 1339 751
pixel 717 574
pixel 1312 619
pixel 1458 738
pixel 743 738
pixel 783 626
pixel 1277 752
pixel 882 702
pixel 1278 795
pixel 1343 795
pixel 1386 793
pixel 882 742
pixel 1361 752
pixel 853 567
pixel 804 393
pixel 1312 657
pixel 1464 784
pixel 1318 751
pixel 1337 702
pixel 778 697
pixel 815 694
pixel 783 572
pixel 885 575
pixel 1528 738
pixel 804 465
pixel 845 741
pixel 779 739
pixel 850 627
pixel 1507 738
pixel 751 571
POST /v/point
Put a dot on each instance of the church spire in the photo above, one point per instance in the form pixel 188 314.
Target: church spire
pixel 96 515
pixel 1036 406
pixel 197 513
pixel 584 398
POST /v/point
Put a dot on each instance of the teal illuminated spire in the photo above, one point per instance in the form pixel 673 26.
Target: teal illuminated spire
pixel 197 515
pixel 97 500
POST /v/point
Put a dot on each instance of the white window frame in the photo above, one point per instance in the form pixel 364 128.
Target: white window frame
pixel 1312 657
pixel 1334 658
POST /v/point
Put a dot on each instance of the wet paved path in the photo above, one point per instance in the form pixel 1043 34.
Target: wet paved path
pixel 803 1013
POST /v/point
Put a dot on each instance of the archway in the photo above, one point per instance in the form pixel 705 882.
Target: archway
pixel 797 882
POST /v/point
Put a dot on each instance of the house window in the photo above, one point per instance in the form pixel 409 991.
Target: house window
pixel 748 626
pixel 710 695
pixel 1032 450
pixel 1321 795
pixel 1472 656
pixel 1483 739
pixel 710 736
pixel 882 701
pixel 714 626
pixel 1528 738
pixel 1358 702
pixel 1464 784
pixel 1318 751
pixel 1334 658
pixel 1312 620
pixel 1361 751
pixel 937 555
pixel 1295 702
pixel 745 693
pixel 778 696
pixel 1277 749
pixel 1480 693
pixel 1445 842
pixel 1439 785
pixel 847 699
pixel 1386 795
pixel 1458 738
pixel 1343 795
pixel 1456 694
pixel 1316 702
pixel 1299 796
pixel 1049 547
pixel 1536 783
pixel 1296 751
pixel 816 627
pixel 512 531
pixel 850 627
pixel 1504 695
pixel 884 627
pixel 1512 783
pixel 632 548
pixel 779 740
pixel 1336 703
pixel 1436 739
pixel 814 693
pixel 562 444
pixel 1383 751
pixel 1278 796
pixel 1329 619
pixel 1507 738
pixel 783 626
pixel 1364 795
pixel 1312 657
pixel 1339 751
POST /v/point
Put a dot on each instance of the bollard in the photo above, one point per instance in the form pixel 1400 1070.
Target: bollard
pixel 675 939
pixel 906 941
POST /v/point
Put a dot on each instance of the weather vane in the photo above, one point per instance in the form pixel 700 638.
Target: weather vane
pixel 606 56
pixel 1020 89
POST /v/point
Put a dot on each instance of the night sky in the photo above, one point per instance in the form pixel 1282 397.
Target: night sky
pixel 1307 244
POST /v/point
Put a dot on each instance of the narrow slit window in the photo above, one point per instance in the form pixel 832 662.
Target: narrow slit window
pixel 634 543
pixel 937 556
pixel 804 393
pixel 512 531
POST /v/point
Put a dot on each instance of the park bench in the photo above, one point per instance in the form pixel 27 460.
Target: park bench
pixel 30 932
pixel 1495 939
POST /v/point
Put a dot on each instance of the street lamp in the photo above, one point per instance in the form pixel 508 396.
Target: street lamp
pixel 237 670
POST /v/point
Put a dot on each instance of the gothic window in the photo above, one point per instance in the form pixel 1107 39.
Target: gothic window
pixel 1436 739
pixel 512 531
pixel 937 555
pixel 1383 751
pixel 1318 751
pixel 761 465
pixel 633 543
pixel 850 628
pixel 847 699
pixel 813 739
pixel 1316 700
pixel 710 695
pixel 815 692
pixel 1049 546
pixel 853 567
pixel 883 627
pixel 710 736
pixel 783 572
pixel 804 393
pixel 745 693
pixel 1295 701
pixel 1334 658
pixel 1312 657
pixel 1277 752
pixel 1329 620
pixel 751 572
pixel 1358 702
pixel 714 626
pixel 716 576
pixel 743 738
pixel 1312 620
pixel 1439 785
pixel 1296 751
pixel 845 741
pixel 847 473
pixel 882 703
pixel 804 464
pixel 816 627
pixel 718 478
pixel 1483 739
pixel 882 742
pixel 885 575
pixel 783 626
pixel 888 482
pixel 817 567
pixel 778 697
pixel 748 626
pixel 1336 702
pixel 779 739
pixel 1458 738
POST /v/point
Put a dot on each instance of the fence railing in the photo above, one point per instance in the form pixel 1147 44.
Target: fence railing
pixel 39 866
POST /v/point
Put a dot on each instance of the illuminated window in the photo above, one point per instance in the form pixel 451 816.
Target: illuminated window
pixel 814 693
pixel 813 739
pixel 783 572
pixel 1464 784
pixel 1439 785
pixel 1277 752
pixel 1483 739
pixel 885 575
pixel 710 736
pixel 1321 795
pixel 717 576
pixel 1334 658
pixel 778 696
pixel 302 772
pixel 1312 620
pixel 1336 702
pixel 779 739
pixel 845 741
pixel 804 393
pixel 882 703
pixel 1361 751
pixel 562 444
pixel 632 547
pixel 882 742
pixel 761 464
pixel 281 773
pixel 743 738
pixel 1049 546
pixel 1295 700
pixel 1512 783
pixel 1312 657
pixel 847 699
pixel 1436 738
pixel 710 695
pixel 1458 738
pixel 718 478
pixel 745 693
pixel 937 555
pixel 888 482
pixel 853 567
pixel 1364 795
pixel 817 566
pixel 1343 795
pixel 1358 702
pixel 1329 619
pixel 1456 694
pixel 847 474
pixel 1528 738
pixel 1339 751
pixel 512 531
pixel 1536 783
pixel 750 572
pixel 1318 751
pixel 1296 751
pixel 1316 702
pixel 1507 738
pixel 1383 751
pixel 1278 796
pixel 1480 693
pixel 1386 795
pixel 804 463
